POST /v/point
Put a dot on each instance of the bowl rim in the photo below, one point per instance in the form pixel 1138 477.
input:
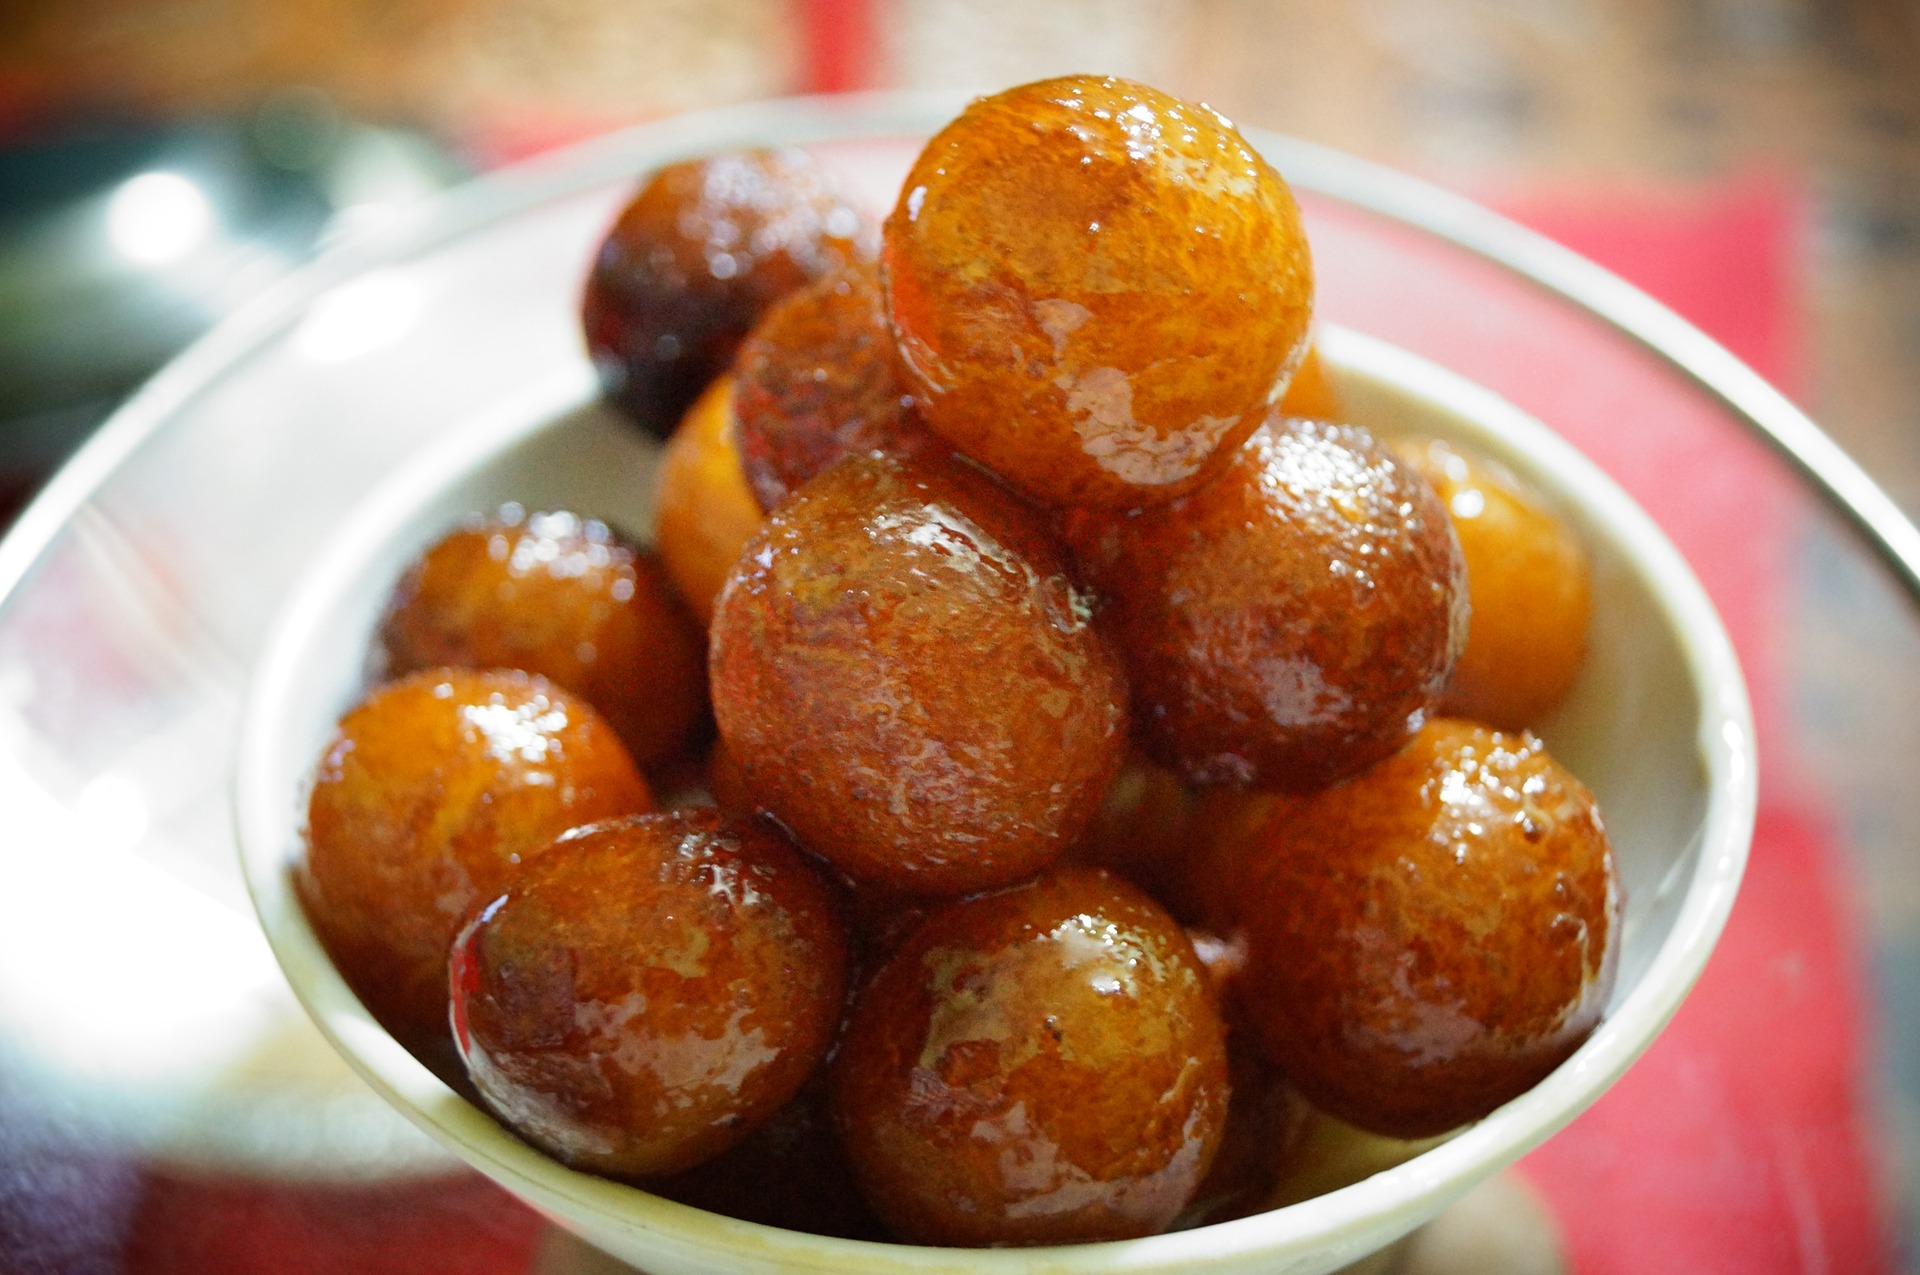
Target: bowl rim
pixel 1724 743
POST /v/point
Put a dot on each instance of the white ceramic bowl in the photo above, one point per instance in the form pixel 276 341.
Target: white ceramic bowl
pixel 1658 725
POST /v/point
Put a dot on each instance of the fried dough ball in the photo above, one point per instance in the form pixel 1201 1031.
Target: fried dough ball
pixel 1044 1065
pixel 1428 940
pixel 696 258
pixel 1099 290
pixel 819 378
pixel 1291 622
pixel 1531 587
pixel 705 511
pixel 789 1172
pixel 1141 831
pixel 430 792
pixel 561 596
pixel 649 990
pixel 1311 392
pixel 1262 1139
pixel 909 679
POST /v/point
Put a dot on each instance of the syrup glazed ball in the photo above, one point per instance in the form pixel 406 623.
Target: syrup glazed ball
pixel 430 792
pixel 1044 1065
pixel 1531 587
pixel 1142 831
pixel 817 380
pixel 649 990
pixel 789 1172
pixel 1291 622
pixel 561 596
pixel 1311 391
pixel 705 511
pixel 701 252
pixel 1098 290
pixel 908 678
pixel 1430 939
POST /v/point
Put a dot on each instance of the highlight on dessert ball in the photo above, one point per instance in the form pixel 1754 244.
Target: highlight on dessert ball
pixel 1045 677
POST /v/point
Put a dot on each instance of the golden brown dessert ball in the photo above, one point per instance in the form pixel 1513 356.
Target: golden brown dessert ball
pixel 1141 831
pixel 696 258
pixel 1428 940
pixel 561 596
pixel 1291 622
pixel 1311 392
pixel 1099 290
pixel 1531 587
pixel 1261 1141
pixel 910 680
pixel 1043 1065
pixel 818 378
pixel 428 795
pixel 648 990
pixel 705 511
pixel 789 1172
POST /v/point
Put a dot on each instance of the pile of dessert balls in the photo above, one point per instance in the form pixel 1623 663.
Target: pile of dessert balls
pixel 1012 787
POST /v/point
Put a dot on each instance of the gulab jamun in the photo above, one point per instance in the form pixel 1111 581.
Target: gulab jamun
pixel 816 379
pixel 1428 939
pixel 1311 392
pixel 1043 1065
pixel 649 990
pixel 1291 622
pixel 1529 580
pixel 909 678
pixel 1098 290
pixel 431 791
pixel 705 512
pixel 693 262
pixel 564 597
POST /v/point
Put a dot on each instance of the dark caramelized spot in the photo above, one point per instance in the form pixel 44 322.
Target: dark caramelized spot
pixel 1292 621
pixel 1531 587
pixel 429 794
pixel 1042 1065
pixel 561 596
pixel 908 678
pixel 1098 290
pixel 650 990
pixel 818 379
pixel 1416 957
pixel 694 261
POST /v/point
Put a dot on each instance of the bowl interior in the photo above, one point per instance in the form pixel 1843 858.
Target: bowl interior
pixel 1657 725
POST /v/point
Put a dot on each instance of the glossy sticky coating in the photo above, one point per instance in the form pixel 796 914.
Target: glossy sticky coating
pixel 561 596
pixel 1099 290
pixel 1531 587
pixel 1040 1066
pixel 908 678
pixel 706 513
pixel 649 990
pixel 697 257
pixel 429 794
pixel 1291 622
pixel 1430 939
pixel 818 379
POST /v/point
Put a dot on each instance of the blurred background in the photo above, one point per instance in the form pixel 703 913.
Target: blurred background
pixel 262 130
pixel 1755 163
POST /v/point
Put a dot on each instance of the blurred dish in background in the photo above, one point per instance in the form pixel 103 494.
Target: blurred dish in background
pixel 119 246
